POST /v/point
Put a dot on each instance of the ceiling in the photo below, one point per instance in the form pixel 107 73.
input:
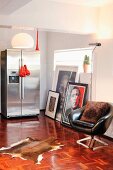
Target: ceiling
pixel 9 6
pixel 85 2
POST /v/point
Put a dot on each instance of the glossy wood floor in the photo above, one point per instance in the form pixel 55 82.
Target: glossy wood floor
pixel 71 157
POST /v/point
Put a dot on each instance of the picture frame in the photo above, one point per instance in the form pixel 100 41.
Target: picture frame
pixel 62 75
pixel 75 98
pixel 51 105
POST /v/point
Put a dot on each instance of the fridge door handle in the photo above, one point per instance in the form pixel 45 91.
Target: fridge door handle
pixel 22 62
pixel 22 87
pixel 20 81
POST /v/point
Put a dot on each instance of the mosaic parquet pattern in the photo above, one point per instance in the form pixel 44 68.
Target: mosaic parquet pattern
pixel 71 157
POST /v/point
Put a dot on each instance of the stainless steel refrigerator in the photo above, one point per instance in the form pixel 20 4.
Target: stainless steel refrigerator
pixel 20 96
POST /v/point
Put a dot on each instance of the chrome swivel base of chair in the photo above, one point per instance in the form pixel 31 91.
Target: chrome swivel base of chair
pixel 91 140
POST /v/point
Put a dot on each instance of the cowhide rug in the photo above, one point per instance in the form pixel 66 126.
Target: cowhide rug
pixel 31 149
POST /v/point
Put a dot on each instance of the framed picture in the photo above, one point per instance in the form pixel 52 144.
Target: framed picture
pixel 52 102
pixel 62 75
pixel 75 97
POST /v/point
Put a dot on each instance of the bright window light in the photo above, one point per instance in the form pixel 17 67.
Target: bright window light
pixel 73 57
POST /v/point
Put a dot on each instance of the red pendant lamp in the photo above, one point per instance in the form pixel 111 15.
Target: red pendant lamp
pixel 37 47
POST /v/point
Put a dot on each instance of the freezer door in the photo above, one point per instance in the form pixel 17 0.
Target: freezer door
pixel 31 84
pixel 13 83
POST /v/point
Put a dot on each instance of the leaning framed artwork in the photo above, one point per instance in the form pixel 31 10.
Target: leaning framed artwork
pixel 51 105
pixel 75 98
pixel 62 75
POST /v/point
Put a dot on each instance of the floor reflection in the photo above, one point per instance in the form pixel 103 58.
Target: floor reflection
pixel 72 155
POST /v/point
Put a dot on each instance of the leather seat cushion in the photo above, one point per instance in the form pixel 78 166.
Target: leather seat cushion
pixel 94 111
pixel 83 124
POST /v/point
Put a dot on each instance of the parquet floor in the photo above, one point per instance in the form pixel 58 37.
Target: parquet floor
pixel 71 157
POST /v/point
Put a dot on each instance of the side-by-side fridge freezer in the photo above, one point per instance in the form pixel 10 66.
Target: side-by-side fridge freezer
pixel 20 96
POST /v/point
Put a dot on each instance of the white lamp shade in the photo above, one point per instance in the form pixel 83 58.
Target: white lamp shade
pixel 22 40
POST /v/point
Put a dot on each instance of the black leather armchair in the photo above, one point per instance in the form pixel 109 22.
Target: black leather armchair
pixel 91 128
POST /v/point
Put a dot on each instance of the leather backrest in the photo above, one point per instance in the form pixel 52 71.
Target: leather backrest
pixel 94 111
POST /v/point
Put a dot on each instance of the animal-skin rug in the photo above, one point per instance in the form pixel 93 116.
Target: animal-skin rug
pixel 31 149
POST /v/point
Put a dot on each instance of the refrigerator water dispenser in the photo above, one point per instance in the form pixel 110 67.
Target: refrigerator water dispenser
pixel 13 79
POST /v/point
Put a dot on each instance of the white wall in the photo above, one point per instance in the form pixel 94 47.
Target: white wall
pixel 105 59
pixel 104 67
pixel 104 71
pixel 43 71
pixel 55 16
pixel 105 24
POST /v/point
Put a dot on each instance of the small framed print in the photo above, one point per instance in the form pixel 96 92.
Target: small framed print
pixel 52 102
